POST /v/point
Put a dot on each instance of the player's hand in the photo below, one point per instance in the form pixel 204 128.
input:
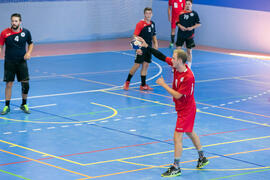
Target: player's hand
pixel 144 44
pixel 27 56
pixel 160 81
pixel 139 52
pixel 169 19
pixel 182 27
pixel 189 28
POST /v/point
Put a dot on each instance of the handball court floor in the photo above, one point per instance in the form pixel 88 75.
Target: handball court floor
pixel 83 125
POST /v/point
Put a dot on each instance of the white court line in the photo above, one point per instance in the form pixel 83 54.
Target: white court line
pixel 90 91
pixel 33 107
pixel 160 68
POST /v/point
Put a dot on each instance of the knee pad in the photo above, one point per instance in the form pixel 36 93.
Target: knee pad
pixel 25 87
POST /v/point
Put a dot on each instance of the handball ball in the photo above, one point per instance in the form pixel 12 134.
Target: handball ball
pixel 135 44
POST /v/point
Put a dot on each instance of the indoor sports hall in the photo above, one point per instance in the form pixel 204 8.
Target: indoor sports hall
pixel 84 125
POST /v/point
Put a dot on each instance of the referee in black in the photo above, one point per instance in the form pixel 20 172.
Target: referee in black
pixel 15 38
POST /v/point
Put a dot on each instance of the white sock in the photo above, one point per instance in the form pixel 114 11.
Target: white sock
pixel 189 64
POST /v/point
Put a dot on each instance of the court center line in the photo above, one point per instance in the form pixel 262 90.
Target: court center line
pixel 45 163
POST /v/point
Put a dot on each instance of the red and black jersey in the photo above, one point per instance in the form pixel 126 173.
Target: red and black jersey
pixel 146 31
pixel 188 19
pixel 15 43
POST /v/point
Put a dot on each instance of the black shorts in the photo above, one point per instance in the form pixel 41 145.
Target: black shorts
pixel 189 42
pixel 19 69
pixel 146 56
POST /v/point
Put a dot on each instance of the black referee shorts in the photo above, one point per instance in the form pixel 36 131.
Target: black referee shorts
pixel 19 69
pixel 146 56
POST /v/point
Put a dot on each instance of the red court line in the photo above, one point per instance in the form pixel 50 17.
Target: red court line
pixel 121 147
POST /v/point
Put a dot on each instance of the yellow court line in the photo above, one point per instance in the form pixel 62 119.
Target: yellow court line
pixel 115 112
pixel 45 163
pixel 87 80
pixel 237 119
pixel 165 152
pixel 157 102
pixel 133 97
pixel 139 164
pixel 192 169
pixel 39 152
pixel 212 157
pixel 230 109
pixel 250 80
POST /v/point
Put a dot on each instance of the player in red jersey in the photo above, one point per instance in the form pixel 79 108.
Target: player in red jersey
pixel 183 95
pixel 15 39
pixel 146 30
pixel 174 9
pixel 188 21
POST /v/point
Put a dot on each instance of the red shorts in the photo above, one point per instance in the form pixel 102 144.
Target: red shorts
pixel 185 120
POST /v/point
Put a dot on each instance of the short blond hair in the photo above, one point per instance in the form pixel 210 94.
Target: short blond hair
pixel 181 54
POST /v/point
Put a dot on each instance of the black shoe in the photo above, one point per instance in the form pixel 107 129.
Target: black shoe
pixel 172 172
pixel 202 162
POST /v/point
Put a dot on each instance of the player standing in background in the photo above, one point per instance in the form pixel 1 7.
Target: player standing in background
pixel 15 39
pixel 146 30
pixel 188 21
pixel 174 9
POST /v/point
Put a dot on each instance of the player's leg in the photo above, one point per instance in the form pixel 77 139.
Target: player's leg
pixel 189 57
pixel 8 91
pixel 189 44
pixel 23 77
pixel 132 71
pixel 172 37
pixel 175 169
pixel 173 27
pixel 147 60
pixel 145 66
pixel 9 76
pixel 179 42
pixel 202 161
pixel 138 61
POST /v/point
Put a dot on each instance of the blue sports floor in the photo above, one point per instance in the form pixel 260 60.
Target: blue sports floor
pixel 83 125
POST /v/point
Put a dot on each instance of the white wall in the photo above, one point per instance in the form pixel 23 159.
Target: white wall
pixel 76 20
pixel 223 27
